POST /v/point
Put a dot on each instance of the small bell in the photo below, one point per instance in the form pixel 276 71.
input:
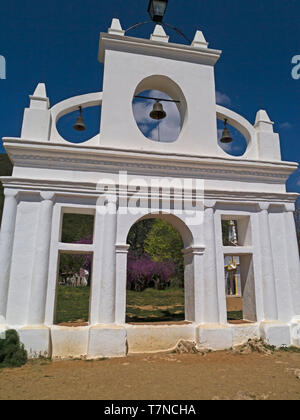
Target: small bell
pixel 226 136
pixel 79 125
pixel 158 112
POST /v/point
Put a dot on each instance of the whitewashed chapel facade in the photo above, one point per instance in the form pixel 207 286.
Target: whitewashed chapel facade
pixel 52 176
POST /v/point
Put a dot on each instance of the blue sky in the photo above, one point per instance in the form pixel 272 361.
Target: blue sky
pixel 57 42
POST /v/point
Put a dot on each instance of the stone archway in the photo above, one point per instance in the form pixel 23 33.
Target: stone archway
pixel 191 267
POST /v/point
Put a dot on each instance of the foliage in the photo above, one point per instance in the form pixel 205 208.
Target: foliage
pixel 143 272
pixel 163 243
pixel 72 263
pixel 12 352
pixel 77 226
pixel 225 231
pixel 138 234
pixel 5 170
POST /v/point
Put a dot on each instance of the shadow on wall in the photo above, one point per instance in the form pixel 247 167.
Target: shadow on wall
pixel 5 170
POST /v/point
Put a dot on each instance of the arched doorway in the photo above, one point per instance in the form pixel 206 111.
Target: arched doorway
pixel 159 277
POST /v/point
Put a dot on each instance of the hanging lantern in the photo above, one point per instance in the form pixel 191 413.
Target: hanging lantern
pixel 158 112
pixel 79 125
pixel 226 136
pixel 157 9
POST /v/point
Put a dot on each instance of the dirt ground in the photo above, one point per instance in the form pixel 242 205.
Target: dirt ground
pixel 234 303
pixel 217 376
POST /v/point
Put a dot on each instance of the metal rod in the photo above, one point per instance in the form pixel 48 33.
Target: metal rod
pixel 158 126
pixel 179 31
pixel 137 25
pixel 156 99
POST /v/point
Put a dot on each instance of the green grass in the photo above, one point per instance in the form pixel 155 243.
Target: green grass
pixel 235 316
pixel 155 305
pixel 148 306
pixel 72 304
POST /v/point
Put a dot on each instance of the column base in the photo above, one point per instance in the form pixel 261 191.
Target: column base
pixel 3 330
pixel 295 332
pixel 107 341
pixel 69 343
pixel 157 338
pixel 214 337
pixel 36 341
pixel 275 333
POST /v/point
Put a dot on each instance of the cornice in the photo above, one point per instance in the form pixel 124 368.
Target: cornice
pixel 98 159
pixel 89 189
pixel 168 50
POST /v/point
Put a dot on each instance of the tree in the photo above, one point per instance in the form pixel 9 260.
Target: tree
pixel 163 243
pixel 137 235
pixel 143 273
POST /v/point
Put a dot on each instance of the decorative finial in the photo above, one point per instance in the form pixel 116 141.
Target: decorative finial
pixel 263 122
pixel 159 34
pixel 39 99
pixel 116 28
pixel 199 40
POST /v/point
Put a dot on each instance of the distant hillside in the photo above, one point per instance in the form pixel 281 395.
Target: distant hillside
pixel 5 170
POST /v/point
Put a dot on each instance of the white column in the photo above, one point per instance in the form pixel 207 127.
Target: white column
pixel 211 313
pixel 6 246
pixel 39 285
pixel 121 282
pixel 194 288
pixel 268 274
pixel 108 280
pixel 293 256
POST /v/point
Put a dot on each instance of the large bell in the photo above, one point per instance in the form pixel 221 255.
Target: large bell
pixel 226 136
pixel 79 125
pixel 158 112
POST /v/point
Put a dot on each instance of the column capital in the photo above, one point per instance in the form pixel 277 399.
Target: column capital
pixel 47 195
pixel 194 250
pixel 8 192
pixel 110 199
pixel 264 206
pixel 210 204
pixel 289 207
pixel 122 248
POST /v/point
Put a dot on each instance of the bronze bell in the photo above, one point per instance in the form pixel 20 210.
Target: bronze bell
pixel 79 125
pixel 158 112
pixel 226 136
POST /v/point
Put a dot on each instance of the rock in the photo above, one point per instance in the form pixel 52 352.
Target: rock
pixel 253 346
pixel 186 347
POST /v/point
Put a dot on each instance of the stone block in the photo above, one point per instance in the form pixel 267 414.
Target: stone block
pixel 68 342
pixel 276 333
pixel 36 341
pixel 214 337
pixel 107 341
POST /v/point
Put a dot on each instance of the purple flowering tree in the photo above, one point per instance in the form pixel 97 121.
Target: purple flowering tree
pixel 143 272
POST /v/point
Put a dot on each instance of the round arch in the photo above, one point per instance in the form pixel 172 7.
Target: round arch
pixel 168 86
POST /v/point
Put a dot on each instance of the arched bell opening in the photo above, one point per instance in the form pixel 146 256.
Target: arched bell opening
pixel 159 109
pixel 81 125
pixel 231 140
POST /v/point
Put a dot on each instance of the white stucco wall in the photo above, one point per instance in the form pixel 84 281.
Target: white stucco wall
pixel 52 176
